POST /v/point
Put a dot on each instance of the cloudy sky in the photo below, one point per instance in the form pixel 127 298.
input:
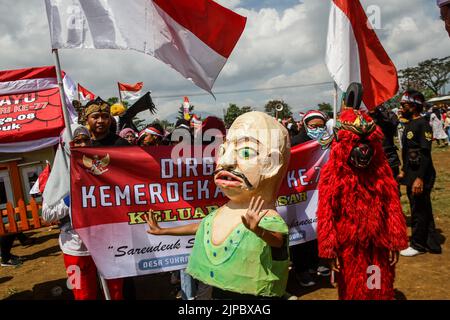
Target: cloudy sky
pixel 283 45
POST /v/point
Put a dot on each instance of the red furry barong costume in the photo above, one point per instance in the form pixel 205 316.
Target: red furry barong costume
pixel 359 215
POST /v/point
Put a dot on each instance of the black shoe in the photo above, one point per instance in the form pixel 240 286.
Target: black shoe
pixel 305 279
pixel 17 258
pixel 13 262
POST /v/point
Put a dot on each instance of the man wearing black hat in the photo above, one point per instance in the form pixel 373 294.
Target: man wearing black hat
pixel 418 174
pixel 99 123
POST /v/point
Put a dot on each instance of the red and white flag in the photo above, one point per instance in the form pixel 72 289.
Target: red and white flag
pixel 130 91
pixel 194 37
pixel 355 54
pixel 39 185
pixel 84 94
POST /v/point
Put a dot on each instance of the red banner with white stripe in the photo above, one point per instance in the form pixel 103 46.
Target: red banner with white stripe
pixel 112 188
pixel 31 116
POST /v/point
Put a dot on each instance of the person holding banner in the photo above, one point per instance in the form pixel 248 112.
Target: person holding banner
pixel 80 267
pixel 241 249
pixel 152 135
pixel 99 122
pixel 129 134
pixel 305 256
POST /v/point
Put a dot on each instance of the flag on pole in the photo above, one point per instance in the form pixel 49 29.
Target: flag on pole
pixel 39 185
pixel 84 94
pixel 355 54
pixel 194 37
pixel 130 91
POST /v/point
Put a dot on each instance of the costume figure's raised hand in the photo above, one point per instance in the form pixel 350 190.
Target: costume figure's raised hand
pixel 252 217
pixel 153 227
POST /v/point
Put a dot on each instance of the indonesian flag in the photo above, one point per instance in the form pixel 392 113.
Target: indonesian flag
pixel 130 91
pixel 84 94
pixel 194 37
pixel 39 185
pixel 355 54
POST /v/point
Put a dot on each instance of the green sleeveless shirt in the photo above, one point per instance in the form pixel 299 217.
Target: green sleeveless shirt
pixel 243 263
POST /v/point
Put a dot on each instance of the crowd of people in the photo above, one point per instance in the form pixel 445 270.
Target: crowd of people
pixel 414 128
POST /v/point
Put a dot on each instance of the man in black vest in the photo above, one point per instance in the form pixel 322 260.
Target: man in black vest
pixel 418 174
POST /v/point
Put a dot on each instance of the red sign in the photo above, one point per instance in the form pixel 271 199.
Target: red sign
pixel 30 116
pixel 119 184
pixel 113 188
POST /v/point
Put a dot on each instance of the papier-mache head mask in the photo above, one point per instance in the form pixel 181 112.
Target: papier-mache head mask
pixel 253 159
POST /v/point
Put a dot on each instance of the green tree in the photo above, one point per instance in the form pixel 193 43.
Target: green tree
pixel 139 123
pixel 270 108
pixel 113 100
pixel 429 76
pixel 166 124
pixel 233 111
pixel 325 107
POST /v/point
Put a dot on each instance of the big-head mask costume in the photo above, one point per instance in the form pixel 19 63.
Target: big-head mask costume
pixel 252 162
pixel 253 159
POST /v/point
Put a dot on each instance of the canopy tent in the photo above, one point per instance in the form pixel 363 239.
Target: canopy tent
pixel 443 99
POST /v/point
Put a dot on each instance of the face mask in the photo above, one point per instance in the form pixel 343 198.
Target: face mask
pixel 316 133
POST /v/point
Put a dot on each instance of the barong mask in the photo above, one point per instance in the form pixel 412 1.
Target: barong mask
pixel 253 159
pixel 361 125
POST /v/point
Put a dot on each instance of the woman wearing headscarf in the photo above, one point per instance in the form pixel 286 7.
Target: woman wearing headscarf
pixel 305 256
pixel 129 134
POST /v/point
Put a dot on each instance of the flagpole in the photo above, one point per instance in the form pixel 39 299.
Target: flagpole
pixel 120 94
pixel 104 286
pixel 78 89
pixel 335 104
pixel 61 93
pixel 69 131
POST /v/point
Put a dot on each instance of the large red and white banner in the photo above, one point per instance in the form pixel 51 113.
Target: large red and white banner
pixel 194 37
pixel 31 116
pixel 355 54
pixel 112 188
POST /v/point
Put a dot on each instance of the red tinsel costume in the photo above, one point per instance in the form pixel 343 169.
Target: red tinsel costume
pixel 360 217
